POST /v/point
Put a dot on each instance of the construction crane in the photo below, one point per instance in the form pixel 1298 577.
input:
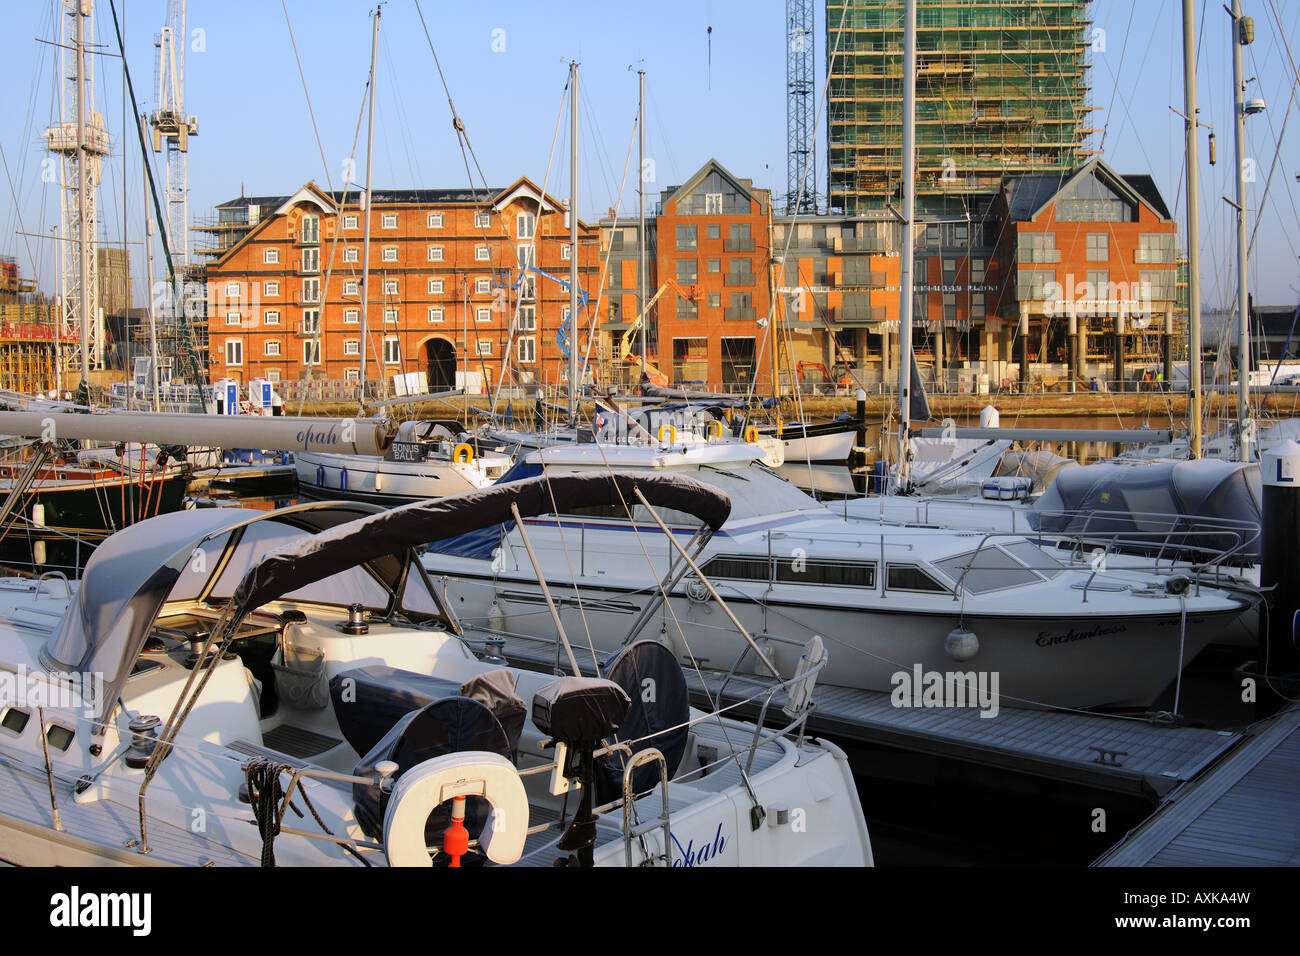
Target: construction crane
pixel 80 140
pixel 625 346
pixel 564 334
pixel 172 129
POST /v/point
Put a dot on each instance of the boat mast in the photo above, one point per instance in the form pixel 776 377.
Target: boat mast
pixel 641 240
pixel 573 244
pixel 83 213
pixel 153 321
pixel 906 262
pixel 1239 39
pixel 1193 230
pixel 365 241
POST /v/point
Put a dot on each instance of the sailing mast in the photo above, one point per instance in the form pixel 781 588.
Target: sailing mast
pixel 906 263
pixel 1193 230
pixel 573 244
pixel 641 239
pixel 1241 30
pixel 365 242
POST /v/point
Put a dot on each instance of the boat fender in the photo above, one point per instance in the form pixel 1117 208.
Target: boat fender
pixel 433 782
pixel 961 644
pixel 343 479
pixel 497 617
pixel 320 476
pixel 751 434
pixel 672 434
pixel 463 454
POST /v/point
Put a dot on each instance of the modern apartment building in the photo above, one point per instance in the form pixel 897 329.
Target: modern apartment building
pixel 1002 89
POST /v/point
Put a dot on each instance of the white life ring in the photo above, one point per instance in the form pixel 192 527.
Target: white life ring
pixel 470 773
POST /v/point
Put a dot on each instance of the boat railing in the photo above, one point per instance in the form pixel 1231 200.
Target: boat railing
pixel 1200 544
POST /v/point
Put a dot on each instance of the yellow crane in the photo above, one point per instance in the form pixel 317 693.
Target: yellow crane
pixel 625 346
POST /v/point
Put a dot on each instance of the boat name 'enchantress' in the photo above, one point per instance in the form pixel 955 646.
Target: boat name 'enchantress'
pixel 1047 640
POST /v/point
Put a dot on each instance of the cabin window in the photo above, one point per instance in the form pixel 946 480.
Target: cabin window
pixel 59 737
pixel 832 573
pixel 737 568
pixel 14 720
pixel 909 577
pixel 989 569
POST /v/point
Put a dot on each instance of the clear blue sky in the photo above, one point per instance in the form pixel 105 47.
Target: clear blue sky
pixel 255 133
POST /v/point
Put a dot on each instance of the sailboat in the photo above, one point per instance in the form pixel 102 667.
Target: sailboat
pixel 252 664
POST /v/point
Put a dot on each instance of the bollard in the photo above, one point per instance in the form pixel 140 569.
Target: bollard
pixel 1279 660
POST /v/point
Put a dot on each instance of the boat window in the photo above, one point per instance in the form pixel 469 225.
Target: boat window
pixel 1036 558
pixel 909 577
pixel 835 573
pixel 59 737
pixel 14 720
pixel 737 568
pixel 989 569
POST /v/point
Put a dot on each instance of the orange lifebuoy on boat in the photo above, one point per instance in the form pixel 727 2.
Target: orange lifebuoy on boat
pixel 751 434
pixel 463 454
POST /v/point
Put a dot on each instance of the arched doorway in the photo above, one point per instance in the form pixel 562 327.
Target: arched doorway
pixel 440 364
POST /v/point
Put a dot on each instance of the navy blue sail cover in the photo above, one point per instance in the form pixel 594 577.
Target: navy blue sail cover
pixel 657 717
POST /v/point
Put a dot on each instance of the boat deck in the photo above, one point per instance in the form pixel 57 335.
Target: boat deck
pixel 1242 813
pixel 1113 753
pixel 90 831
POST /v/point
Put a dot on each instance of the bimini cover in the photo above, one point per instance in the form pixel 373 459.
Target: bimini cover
pixel 134 572
pixel 444 727
pixel 123 586
pixel 656 718
pixel 392 531
pixel 1208 504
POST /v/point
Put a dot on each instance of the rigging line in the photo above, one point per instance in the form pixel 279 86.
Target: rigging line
pixel 307 96
pixel 790 231
pixel 594 309
pixel 1286 119
pixel 403 124
pixel 514 319
pixel 339 202
pixel 188 349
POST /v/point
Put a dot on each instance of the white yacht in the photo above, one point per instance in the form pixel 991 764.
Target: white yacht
pixel 425 460
pixel 233 687
pixel 884 597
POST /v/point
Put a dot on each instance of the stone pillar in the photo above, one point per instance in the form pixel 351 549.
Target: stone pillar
pixel 1121 384
pixel 1024 347
pixel 941 357
pixel 1072 346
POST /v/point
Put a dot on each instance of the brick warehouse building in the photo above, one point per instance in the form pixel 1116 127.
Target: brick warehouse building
pixel 447 269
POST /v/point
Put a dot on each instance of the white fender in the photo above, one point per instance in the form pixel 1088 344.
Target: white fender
pixel 470 773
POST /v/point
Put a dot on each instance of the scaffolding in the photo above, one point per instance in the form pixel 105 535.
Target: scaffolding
pixel 27 347
pixel 1001 89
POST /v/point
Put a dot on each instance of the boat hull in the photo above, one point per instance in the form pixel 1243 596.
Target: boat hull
pixel 1064 659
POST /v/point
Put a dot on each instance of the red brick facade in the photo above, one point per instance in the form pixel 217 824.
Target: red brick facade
pixel 445 278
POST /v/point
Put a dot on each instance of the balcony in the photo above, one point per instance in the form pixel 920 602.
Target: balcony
pixel 738 278
pixel 305 329
pixel 306 298
pixel 740 313
pixel 739 245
